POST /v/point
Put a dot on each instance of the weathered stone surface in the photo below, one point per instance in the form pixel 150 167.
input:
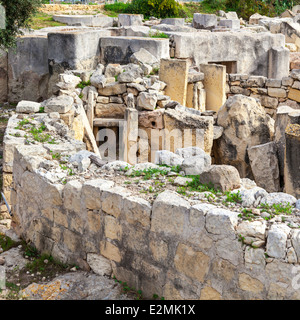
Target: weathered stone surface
pixel 60 104
pixel 196 164
pixel 143 57
pixel 188 130
pixel 278 198
pixel 137 211
pixel 74 286
pixel 91 192
pixel 162 221
pixel 204 21
pixel 99 264
pixel 152 120
pixel 130 20
pixel 276 242
pixel 264 166
pixel 252 232
pixel 221 222
pixel 147 101
pixel 292 152
pixel 255 257
pixel 191 263
pixel 28 107
pixel 245 124
pixel 167 157
pixel 174 72
pixel 222 177
pixel 110 110
pixel 97 79
pixel 113 89
pixel 250 284
pixel 112 70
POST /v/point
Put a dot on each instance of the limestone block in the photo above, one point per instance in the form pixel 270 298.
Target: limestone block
pixel 278 198
pixel 112 200
pixel 168 158
pixel 222 177
pixel 130 20
pixel 257 128
pixel 72 196
pixel 110 110
pixel 112 228
pixel 294 94
pixel 28 107
pixel 187 130
pixel 99 264
pixel 276 242
pixel 291 160
pixel 221 222
pixel 60 104
pixel 204 21
pixel 152 120
pixel 276 92
pixel 110 251
pixel 192 263
pixel 264 165
pixel 296 242
pixel 214 85
pixel 250 284
pixel 174 72
pixel 147 101
pixel 230 23
pixel 196 164
pixel 252 232
pixel 209 293
pixel 113 89
pixel 91 192
pixel 255 257
pixel 137 211
pixel 162 220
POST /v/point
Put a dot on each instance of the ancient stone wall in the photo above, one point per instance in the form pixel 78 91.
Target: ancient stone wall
pixel 170 247
pixel 270 92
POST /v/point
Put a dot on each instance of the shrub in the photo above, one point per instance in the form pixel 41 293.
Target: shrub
pixel 156 8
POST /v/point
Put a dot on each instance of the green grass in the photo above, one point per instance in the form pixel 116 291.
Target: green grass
pixel 43 20
pixel 7 243
pixel 84 84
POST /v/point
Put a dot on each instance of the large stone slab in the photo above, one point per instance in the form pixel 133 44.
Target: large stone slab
pixel 120 49
pixel 174 73
pixel 264 166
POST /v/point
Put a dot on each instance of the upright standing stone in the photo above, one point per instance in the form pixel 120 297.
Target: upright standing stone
pixel 264 165
pixel 204 21
pixel 174 72
pixel 292 163
pixel 215 85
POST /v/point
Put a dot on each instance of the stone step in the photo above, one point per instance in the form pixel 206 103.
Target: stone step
pixel 100 122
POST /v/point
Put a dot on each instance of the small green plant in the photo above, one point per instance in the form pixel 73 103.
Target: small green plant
pixel 233 197
pixel 83 84
pixel 129 290
pixel 157 34
pixel 7 243
pixel 42 110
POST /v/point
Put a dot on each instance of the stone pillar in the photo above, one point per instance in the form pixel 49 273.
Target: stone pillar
pixel 291 160
pixel 264 166
pixel 214 85
pixel 174 72
pixel 285 115
pixel 279 63
pixel 128 136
